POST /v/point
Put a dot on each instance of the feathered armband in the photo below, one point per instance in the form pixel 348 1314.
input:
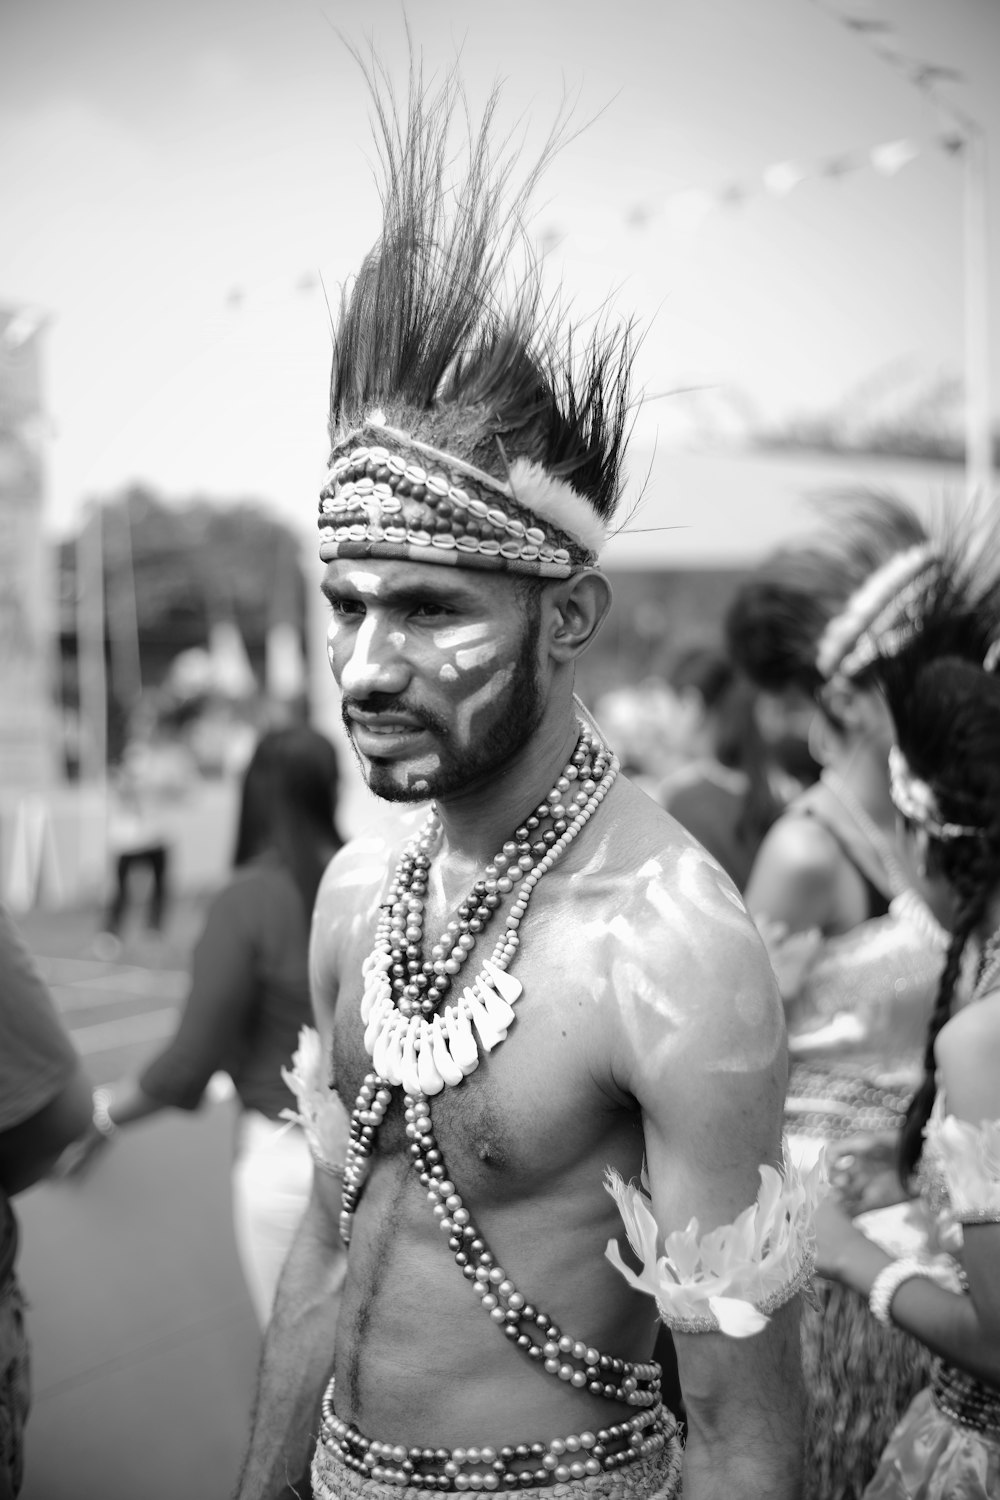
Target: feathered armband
pixel 732 1278
pixel 320 1112
pixel 969 1156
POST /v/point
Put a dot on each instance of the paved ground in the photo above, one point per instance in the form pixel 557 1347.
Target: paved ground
pixel 145 1344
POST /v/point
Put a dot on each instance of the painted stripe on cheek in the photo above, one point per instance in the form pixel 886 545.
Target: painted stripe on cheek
pixel 477 656
pixel 459 635
pixel 494 685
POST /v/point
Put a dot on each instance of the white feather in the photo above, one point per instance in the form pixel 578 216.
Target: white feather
pixel 556 501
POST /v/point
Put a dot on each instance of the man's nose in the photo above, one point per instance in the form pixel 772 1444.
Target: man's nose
pixel 375 662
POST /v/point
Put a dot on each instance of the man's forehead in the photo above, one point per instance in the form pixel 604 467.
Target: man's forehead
pixel 383 578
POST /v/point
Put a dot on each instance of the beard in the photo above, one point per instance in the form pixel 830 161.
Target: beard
pixel 512 720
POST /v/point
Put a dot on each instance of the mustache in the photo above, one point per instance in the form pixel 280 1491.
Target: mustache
pixel 389 704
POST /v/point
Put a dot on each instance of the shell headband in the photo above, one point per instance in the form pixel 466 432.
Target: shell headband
pixel 389 495
pixel 880 617
pixel 915 799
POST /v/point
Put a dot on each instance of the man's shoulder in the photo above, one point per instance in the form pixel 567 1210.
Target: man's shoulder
pixel 360 870
pixel 689 970
pixel 667 900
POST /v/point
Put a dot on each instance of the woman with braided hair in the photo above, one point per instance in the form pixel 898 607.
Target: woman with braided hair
pixel 856 952
pixel 946 785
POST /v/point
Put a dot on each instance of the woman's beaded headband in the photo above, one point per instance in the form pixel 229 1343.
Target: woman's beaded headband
pixel 915 799
pixel 880 617
pixel 380 501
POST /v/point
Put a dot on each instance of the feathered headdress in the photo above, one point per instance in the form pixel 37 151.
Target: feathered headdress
pixel 887 552
pixel 470 424
pixel 956 614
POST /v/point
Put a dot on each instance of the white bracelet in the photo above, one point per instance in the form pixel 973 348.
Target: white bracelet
pixel 889 1280
pixel 102 1114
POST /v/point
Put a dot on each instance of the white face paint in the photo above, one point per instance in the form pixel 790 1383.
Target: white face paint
pixel 362 668
pixel 476 656
pixel 365 583
pixel 465 712
pixel 448 673
pixel 453 636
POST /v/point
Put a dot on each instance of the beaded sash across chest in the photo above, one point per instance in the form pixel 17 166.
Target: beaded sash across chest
pixel 423 1041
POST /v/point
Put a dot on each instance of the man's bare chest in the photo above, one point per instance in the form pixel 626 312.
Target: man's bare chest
pixel 533 1108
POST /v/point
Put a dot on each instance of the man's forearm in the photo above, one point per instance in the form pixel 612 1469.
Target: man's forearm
pixel 297 1358
pixel 745 1436
pixel 717 1471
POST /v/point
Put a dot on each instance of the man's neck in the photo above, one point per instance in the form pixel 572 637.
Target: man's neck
pixel 478 821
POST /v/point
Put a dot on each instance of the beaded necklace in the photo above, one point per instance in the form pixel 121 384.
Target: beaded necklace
pixel 407 1036
pixel 413 1042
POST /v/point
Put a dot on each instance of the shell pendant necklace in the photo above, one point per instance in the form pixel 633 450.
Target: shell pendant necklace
pixel 419 1033
pixel 411 1036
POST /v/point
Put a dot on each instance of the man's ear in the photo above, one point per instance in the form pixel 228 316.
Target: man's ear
pixel 576 608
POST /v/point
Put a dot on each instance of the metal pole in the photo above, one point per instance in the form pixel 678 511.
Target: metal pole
pixel 91 672
pixel 978 430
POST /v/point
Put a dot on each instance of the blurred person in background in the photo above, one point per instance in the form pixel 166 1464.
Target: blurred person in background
pixel 249 999
pixel 856 951
pixel 642 722
pixel 946 786
pixel 45 1104
pixel 722 792
pixel 154 773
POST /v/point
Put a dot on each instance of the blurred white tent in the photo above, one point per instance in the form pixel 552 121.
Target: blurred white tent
pixel 232 673
pixel 284 664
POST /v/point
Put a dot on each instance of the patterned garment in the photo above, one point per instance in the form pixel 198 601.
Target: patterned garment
pixel 856 1035
pixel 947 1446
pixel 15 1386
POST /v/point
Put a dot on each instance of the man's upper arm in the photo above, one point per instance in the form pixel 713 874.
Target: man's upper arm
pixel 710 1080
pixel 711 1089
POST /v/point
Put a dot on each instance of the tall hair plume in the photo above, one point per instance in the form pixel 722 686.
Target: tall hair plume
pixel 446 334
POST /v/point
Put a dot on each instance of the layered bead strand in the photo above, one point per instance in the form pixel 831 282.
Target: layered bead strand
pixel 511 1467
pixel 579 1364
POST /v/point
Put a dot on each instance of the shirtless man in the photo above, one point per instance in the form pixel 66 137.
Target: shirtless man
pixel 478 1335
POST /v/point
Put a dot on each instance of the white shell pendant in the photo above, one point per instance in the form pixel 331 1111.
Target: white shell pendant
pixel 409 1075
pixel 446 1065
pixel 461 1042
pixel 499 1012
pixel 431 1081
pixel 382 1014
pixel 375 969
pixel 505 984
pixel 489 1032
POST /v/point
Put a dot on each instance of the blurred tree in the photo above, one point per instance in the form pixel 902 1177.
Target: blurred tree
pixel 899 412
pixel 172 570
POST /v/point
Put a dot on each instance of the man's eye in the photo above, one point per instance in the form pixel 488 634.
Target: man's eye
pixel 347 609
pixel 430 610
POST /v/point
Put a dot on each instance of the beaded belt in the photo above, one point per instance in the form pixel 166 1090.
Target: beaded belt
pixel 511 1467
pixel 965 1399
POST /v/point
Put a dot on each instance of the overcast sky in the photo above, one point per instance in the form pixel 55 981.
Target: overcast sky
pixel 156 160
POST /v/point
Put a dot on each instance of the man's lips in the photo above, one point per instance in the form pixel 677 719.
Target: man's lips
pixel 384 734
pixel 385 723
